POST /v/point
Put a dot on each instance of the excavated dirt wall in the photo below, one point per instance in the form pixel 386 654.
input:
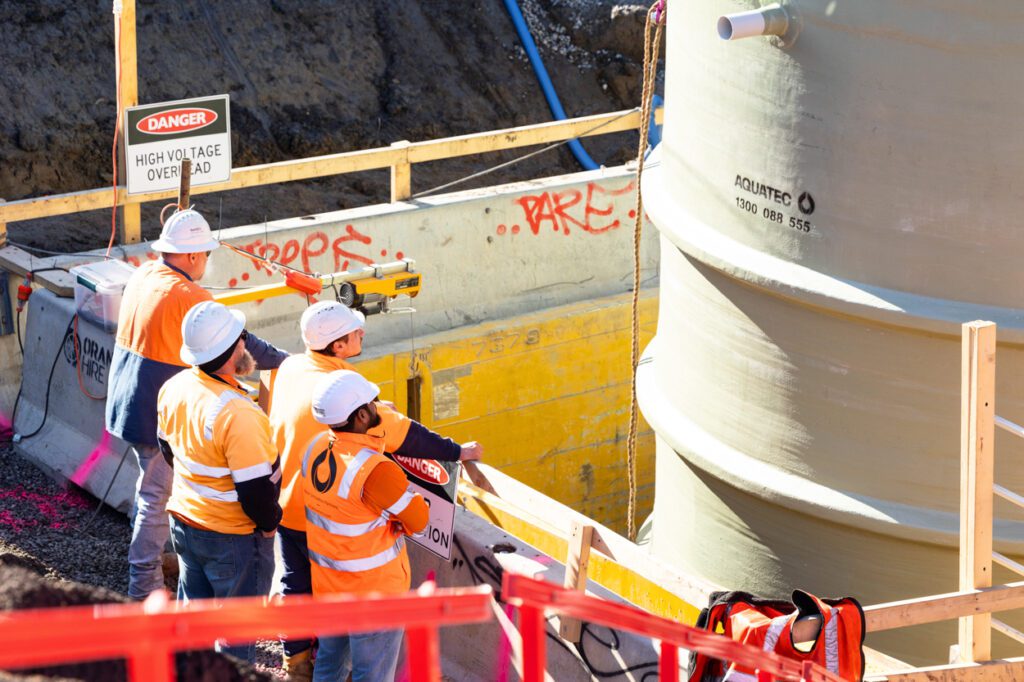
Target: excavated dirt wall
pixel 305 77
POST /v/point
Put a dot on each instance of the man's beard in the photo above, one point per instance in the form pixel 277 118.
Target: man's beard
pixel 376 421
pixel 246 364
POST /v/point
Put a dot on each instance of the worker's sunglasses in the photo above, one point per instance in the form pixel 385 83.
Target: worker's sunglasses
pixel 244 336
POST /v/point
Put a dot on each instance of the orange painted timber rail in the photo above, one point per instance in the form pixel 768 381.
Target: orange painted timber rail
pixel 535 598
pixel 147 635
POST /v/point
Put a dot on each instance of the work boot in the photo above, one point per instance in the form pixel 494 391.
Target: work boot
pixel 299 666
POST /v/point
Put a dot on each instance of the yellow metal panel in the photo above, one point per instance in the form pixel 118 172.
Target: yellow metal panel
pixel 548 396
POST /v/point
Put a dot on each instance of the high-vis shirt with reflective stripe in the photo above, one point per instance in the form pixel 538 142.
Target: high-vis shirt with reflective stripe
pixel 155 300
pixel 219 440
pixel 355 546
pixel 294 428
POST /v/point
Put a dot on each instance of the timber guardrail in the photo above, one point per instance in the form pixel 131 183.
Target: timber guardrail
pixel 399 157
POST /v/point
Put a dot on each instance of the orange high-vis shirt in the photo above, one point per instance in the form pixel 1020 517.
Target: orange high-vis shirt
pixel 295 430
pixel 219 438
pixel 359 507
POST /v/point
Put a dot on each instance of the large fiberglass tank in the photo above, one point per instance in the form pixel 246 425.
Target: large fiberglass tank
pixel 832 206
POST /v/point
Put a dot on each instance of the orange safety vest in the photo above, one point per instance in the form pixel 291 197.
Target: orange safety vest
pixel 218 437
pixel 352 550
pixel 767 624
pixel 295 431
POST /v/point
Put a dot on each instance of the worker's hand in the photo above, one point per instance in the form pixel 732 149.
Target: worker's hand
pixel 471 452
pixel 269 533
pixel 396 528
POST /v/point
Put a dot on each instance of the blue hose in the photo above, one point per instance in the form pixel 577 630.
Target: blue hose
pixel 545 81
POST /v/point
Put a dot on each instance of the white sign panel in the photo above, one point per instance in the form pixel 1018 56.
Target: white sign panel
pixel 159 136
pixel 437 482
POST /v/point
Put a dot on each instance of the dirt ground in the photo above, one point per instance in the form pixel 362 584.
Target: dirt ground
pixel 306 77
pixel 58 547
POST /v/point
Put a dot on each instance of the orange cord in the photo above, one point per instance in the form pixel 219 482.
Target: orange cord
pixel 113 151
pixel 78 366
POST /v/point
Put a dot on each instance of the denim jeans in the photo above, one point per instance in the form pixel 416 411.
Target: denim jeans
pixel 220 565
pixel 370 656
pixel 295 576
pixel 150 530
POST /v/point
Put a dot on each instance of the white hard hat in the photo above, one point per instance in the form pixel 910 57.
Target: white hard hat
pixel 209 329
pixel 185 232
pixel 326 321
pixel 339 394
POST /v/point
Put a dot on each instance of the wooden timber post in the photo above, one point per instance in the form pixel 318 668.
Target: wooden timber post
pixel 401 173
pixel 576 575
pixel 977 450
pixel 127 83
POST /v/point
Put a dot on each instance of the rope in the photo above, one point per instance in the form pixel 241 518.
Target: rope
pixel 655 18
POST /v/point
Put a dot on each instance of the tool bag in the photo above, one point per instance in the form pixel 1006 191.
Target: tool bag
pixel 837 645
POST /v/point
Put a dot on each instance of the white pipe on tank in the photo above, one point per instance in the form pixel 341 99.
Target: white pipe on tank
pixel 770 20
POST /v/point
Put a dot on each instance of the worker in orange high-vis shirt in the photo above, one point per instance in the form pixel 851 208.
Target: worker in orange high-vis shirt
pixel 332 334
pixel 154 303
pixel 359 508
pixel 223 504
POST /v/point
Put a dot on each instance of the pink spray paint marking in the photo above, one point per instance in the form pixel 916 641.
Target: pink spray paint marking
pixel 85 469
pixel 39 510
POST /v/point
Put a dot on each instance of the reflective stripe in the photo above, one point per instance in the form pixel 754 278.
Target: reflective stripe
pixel 356 565
pixel 346 530
pixel 305 457
pixel 198 469
pixel 210 493
pixel 222 400
pixel 774 630
pixel 249 473
pixel 832 644
pixel 399 506
pixel 276 476
pixel 353 469
pixel 160 433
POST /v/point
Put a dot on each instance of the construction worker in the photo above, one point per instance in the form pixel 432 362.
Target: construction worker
pixel 359 508
pixel 154 302
pixel 223 505
pixel 332 333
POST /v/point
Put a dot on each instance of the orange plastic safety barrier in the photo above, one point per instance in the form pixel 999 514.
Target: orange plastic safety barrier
pixel 147 635
pixel 535 597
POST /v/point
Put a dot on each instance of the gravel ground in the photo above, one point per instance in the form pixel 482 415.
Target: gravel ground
pixel 58 547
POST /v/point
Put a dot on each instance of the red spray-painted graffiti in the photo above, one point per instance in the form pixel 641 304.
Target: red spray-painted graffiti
pixel 592 210
pixel 348 248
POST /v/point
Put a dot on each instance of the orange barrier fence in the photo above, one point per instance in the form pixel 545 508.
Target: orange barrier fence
pixel 537 597
pixel 147 637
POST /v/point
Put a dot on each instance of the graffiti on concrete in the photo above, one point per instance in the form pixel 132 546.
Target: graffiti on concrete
pixel 351 246
pixel 597 643
pixel 594 210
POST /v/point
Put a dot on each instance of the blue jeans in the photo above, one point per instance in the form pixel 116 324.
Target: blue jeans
pixel 295 576
pixel 370 656
pixel 150 530
pixel 215 565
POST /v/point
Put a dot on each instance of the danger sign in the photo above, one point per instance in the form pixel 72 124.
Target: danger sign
pixel 159 136
pixel 437 483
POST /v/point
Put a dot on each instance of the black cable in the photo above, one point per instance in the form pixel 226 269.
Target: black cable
pixel 17 325
pixel 49 381
pixel 107 491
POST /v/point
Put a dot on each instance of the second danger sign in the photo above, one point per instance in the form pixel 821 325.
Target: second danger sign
pixel 159 136
pixel 437 483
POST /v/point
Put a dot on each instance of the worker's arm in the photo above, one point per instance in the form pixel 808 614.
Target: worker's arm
pixel 409 438
pixel 266 355
pixel 387 490
pixel 253 461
